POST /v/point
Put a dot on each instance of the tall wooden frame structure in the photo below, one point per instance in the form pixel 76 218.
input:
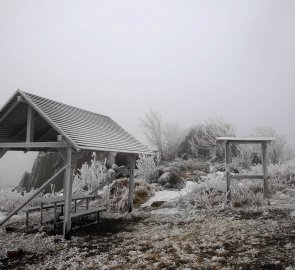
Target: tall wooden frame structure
pixel 228 141
pixel 32 123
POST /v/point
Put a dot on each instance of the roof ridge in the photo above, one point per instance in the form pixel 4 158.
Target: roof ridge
pixel 27 93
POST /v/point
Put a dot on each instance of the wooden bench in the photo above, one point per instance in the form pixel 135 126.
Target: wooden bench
pixel 27 210
pixel 87 212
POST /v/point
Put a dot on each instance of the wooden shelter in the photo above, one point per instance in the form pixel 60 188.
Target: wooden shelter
pixel 228 141
pixel 32 123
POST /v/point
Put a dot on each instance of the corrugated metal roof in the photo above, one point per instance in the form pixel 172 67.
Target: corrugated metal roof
pixel 84 130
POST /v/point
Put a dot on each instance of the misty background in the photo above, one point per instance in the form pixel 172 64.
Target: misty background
pixel 189 60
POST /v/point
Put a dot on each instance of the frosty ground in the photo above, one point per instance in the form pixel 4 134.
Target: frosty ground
pixel 174 236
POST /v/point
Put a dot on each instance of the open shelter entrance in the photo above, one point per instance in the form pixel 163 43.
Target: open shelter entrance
pixel 32 123
pixel 228 141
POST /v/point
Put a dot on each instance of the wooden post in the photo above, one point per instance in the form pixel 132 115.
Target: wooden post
pixel 68 195
pixel 227 171
pixel 131 182
pixel 30 125
pixel 264 169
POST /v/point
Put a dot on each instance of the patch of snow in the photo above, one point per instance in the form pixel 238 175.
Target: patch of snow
pixel 2 216
pixel 165 211
pixel 170 195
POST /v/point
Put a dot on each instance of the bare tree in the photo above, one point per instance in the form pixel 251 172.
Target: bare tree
pixel 205 138
pixel 173 137
pixel 279 150
pixel 153 128
pixel 166 137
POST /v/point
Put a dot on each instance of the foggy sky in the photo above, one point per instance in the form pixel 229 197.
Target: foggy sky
pixel 187 59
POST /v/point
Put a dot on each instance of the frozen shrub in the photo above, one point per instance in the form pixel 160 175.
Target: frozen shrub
pixel 246 193
pixel 194 164
pixel 115 196
pixel 89 176
pixel 279 150
pixel 207 193
pixel 247 154
pixel 211 192
pixel 147 168
pixel 9 200
pixel 280 174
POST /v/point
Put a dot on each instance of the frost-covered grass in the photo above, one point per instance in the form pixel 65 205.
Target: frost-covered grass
pixel 253 238
pixel 194 234
pixel 9 200
pixel 279 174
pixel 211 190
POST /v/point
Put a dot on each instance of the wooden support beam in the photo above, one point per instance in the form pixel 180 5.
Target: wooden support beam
pixel 68 194
pixel 245 176
pixel 132 159
pixel 13 145
pixel 30 125
pixel 227 171
pixel 264 170
pixel 11 108
pixel 230 152
pixel 246 142
pixel 33 196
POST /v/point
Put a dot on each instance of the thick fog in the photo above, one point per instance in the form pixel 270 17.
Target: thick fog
pixel 187 59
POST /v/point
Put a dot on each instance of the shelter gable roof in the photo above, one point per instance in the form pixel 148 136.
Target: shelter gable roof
pixel 84 130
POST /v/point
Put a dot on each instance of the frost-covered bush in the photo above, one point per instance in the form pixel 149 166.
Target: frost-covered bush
pixel 9 200
pixel 115 196
pixel 191 165
pixel 207 193
pixel 246 192
pixel 279 151
pixel 89 176
pixel 147 168
pixel 279 174
pixel 211 192
pixel 246 155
